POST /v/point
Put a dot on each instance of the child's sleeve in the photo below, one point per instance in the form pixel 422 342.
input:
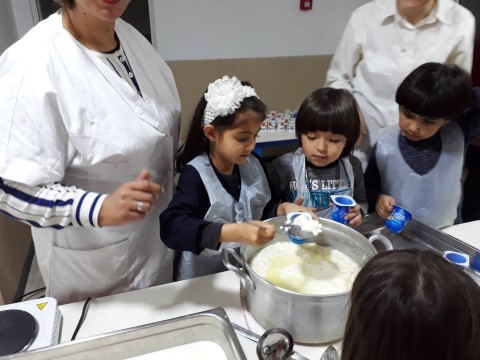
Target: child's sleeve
pixel 359 186
pixel 182 224
pixel 373 181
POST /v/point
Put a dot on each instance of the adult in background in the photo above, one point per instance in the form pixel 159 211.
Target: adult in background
pixel 384 41
pixel 89 121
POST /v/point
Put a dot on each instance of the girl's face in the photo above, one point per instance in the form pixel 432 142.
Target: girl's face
pixel 322 148
pixel 416 128
pixel 232 146
pixel 104 10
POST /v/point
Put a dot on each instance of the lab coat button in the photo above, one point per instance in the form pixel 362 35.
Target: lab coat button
pixel 139 111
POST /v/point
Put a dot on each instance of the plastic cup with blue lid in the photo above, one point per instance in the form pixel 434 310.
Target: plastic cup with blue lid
pixel 398 219
pixel 341 207
pixel 461 260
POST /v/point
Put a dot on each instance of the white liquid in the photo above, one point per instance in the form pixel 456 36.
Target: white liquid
pixel 306 269
pixel 201 350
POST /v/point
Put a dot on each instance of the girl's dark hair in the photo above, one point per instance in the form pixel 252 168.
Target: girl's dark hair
pixel 436 91
pixel 412 304
pixel 196 142
pixel 329 109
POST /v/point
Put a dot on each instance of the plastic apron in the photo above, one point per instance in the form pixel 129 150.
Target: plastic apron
pixel 224 208
pixel 111 134
pixel 317 195
pixel 432 198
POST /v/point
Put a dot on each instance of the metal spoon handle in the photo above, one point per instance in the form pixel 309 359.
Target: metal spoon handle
pixel 245 333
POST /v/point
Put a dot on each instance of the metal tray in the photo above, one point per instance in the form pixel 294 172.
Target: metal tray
pixel 212 325
pixel 416 235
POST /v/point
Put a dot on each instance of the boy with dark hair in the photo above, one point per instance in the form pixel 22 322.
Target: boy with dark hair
pixel 418 164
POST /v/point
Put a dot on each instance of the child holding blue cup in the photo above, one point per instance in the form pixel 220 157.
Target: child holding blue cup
pixel 327 127
pixel 418 163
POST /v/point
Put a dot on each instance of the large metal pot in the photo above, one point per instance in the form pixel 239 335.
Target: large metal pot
pixel 310 319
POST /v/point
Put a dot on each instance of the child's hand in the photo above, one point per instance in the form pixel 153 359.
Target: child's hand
pixel 286 207
pixel 254 233
pixel 384 205
pixel 354 216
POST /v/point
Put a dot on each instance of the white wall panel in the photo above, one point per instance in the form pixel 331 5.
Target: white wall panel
pixel 228 29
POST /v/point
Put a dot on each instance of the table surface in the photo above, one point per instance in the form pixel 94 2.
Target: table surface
pixel 265 136
pixel 167 301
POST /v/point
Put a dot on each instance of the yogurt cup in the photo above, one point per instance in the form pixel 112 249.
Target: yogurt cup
pixel 341 207
pixel 398 219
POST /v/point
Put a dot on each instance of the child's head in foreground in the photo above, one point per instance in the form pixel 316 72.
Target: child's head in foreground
pixel 430 96
pixel 415 305
pixel 327 125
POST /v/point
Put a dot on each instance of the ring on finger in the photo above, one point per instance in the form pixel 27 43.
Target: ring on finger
pixel 139 206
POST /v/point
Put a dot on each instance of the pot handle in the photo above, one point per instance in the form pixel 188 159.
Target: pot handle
pixel 239 271
pixel 383 239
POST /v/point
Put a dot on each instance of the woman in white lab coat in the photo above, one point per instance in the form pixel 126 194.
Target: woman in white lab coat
pixel 89 121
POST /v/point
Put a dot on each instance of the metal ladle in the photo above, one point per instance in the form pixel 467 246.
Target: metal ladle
pixel 278 344
pixel 295 232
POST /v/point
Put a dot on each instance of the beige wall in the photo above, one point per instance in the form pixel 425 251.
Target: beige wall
pixel 281 82
pixel 15 239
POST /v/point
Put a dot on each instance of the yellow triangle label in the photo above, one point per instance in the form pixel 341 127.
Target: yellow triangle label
pixel 42 305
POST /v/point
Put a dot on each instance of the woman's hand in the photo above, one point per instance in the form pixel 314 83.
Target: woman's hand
pixel 286 207
pixel 254 233
pixel 354 216
pixel 384 205
pixel 130 201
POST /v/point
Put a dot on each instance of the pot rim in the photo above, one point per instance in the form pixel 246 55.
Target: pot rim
pixel 256 277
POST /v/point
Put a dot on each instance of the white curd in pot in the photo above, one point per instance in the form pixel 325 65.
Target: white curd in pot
pixel 307 269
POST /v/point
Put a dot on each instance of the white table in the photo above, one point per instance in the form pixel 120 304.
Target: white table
pixel 467 232
pixel 164 302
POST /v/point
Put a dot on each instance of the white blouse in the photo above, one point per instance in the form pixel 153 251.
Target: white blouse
pixel 379 49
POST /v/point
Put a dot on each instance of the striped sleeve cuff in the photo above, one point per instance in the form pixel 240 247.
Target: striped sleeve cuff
pixel 86 208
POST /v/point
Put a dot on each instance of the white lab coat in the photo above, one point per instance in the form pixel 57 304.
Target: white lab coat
pixel 67 117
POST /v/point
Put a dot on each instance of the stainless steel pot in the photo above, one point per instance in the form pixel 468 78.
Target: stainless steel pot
pixel 310 319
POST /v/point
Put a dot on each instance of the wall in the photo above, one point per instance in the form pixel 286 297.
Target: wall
pixel 8 30
pixel 282 51
pixel 15 239
pixel 282 82
pixel 232 29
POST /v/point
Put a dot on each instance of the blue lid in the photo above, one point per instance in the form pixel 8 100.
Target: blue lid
pixel 296 240
pixel 343 200
pixel 457 258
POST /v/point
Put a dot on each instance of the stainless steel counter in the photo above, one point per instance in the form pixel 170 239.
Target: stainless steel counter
pixel 416 235
pixel 148 341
